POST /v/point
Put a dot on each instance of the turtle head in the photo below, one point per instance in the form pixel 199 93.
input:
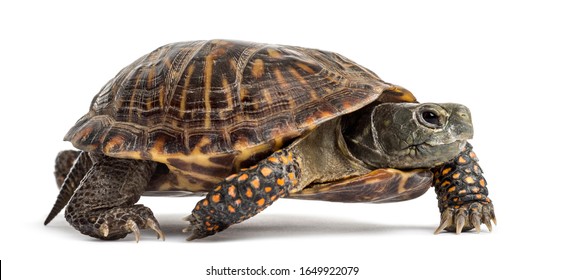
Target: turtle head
pixel 409 135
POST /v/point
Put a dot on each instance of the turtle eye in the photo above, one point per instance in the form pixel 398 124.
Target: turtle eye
pixel 430 118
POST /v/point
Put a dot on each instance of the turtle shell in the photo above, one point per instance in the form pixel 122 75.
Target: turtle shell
pixel 206 109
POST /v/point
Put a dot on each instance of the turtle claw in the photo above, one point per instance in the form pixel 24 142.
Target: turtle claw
pixel 131 226
pixel 104 230
pixel 489 225
pixel 152 224
pixel 476 221
pixel 446 220
pixel 467 217
pixel 194 233
pixel 196 230
pixel 460 221
pixel 190 228
pixel 190 218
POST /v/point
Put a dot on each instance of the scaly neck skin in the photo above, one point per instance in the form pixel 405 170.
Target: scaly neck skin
pixel 361 140
pixel 324 156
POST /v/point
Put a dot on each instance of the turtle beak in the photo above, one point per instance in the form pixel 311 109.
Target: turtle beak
pixel 461 122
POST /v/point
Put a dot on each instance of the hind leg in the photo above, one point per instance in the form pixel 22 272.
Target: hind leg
pixel 104 204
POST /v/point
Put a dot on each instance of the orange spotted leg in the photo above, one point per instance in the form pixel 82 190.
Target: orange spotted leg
pixel 243 195
pixel 462 194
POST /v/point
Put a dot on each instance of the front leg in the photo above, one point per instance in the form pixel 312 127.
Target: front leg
pixel 245 194
pixel 104 204
pixel 462 194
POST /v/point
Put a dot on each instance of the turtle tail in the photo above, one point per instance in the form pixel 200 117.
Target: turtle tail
pixel 81 165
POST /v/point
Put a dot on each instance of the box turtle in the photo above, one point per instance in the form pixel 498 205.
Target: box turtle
pixel 246 124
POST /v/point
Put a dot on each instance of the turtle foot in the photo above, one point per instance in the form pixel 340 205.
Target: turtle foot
pixel 116 223
pixel 466 217
pixel 197 229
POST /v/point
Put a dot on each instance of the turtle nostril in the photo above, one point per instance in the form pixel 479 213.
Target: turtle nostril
pixel 464 115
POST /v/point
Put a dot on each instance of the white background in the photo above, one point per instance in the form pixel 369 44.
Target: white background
pixel 503 59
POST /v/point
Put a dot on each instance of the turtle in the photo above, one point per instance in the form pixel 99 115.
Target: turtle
pixel 244 124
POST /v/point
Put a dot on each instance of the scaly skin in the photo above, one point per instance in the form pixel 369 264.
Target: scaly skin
pixel 243 195
pixel 462 194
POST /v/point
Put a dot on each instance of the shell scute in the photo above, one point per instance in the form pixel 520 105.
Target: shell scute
pixel 162 141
